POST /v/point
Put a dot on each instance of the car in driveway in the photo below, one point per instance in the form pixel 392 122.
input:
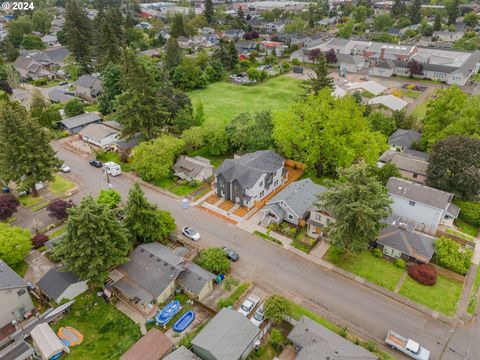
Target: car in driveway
pixel 191 233
pixel 65 168
pixel 232 255
pixel 259 317
pixel 96 163
pixel 248 305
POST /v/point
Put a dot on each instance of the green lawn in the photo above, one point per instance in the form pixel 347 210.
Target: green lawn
pixel 442 297
pixel 60 185
pixel 466 228
pixel 30 200
pixel 460 234
pixel 420 110
pixel 223 100
pixel 58 232
pixel 178 189
pixel 472 305
pixel 107 332
pixel 376 270
pixel 21 268
pixel 215 160
pixel 91 108
pixel 410 93
pixel 106 156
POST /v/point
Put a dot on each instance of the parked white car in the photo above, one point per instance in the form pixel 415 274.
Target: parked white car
pixel 259 317
pixel 248 305
pixel 407 346
pixel 65 168
pixel 191 233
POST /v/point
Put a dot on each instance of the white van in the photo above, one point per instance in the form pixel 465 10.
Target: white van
pixel 112 168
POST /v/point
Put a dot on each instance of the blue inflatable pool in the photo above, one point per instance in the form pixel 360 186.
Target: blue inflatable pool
pixel 184 321
pixel 168 312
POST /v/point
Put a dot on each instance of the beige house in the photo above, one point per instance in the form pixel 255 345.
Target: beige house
pixel 15 301
pixel 412 164
pixel 154 273
pixel 88 87
pixel 317 221
pixel 193 168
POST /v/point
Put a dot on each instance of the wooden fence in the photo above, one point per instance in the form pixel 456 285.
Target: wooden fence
pixel 462 241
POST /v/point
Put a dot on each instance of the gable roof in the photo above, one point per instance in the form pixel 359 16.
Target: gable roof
pixel 182 353
pixel 299 196
pixel 350 59
pixel 248 168
pixel 88 81
pixel 410 243
pixel 97 131
pixel 57 54
pixel 392 102
pixel 191 166
pixel 81 120
pixel 55 282
pixel 59 96
pixel 404 138
pixel 9 279
pixel 319 343
pixel 371 86
pixel 227 335
pixel 410 164
pixel 419 193
pixel 152 346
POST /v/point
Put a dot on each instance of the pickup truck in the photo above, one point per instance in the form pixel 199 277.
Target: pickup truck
pixel 407 346
pixel 248 305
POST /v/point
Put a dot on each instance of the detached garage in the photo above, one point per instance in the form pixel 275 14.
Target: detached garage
pixel 58 285
pixel 47 342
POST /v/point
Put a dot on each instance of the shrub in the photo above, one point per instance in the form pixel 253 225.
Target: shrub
pixel 58 209
pixel 343 332
pixel 276 308
pixel 371 346
pixel 450 255
pixel 400 263
pixel 470 212
pixel 39 239
pixel 214 260
pixel 73 107
pixel 295 62
pixel 276 339
pixel 423 274
pixel 377 253
pixel 8 206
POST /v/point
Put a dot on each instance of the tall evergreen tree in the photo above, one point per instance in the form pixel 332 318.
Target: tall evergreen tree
pixel 398 9
pixel 452 9
pixel 78 30
pixel 173 55
pixel 44 114
pixel 178 27
pixel 358 203
pixel 111 82
pixel 95 241
pixel 322 78
pixel 232 55
pixel 139 109
pixel 26 156
pixel 437 24
pixel 209 11
pixel 108 40
pixel 144 220
pixel 415 11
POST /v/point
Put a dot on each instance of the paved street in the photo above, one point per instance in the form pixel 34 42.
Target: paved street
pixel 278 270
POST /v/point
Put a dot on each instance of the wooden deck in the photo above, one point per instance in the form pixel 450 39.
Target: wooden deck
pixel 241 211
pixel 212 199
pixel 226 205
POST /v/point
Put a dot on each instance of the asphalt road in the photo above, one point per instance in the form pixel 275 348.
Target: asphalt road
pixel 278 270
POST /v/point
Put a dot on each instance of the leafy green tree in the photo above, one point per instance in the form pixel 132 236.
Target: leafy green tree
pixel 94 242
pixel 415 11
pixel 452 9
pixel 189 76
pixel 209 11
pixel 194 138
pixel 385 172
pixel 139 107
pixel 15 243
pixel 111 83
pixel 144 220
pixel 398 9
pixel 214 260
pixel 383 22
pixel 454 166
pixel 73 107
pixel 32 42
pixel 18 28
pixel 110 198
pixel 241 128
pixel 450 255
pixel 216 139
pixel 276 307
pixel 78 31
pixel 42 21
pixel 345 30
pixel 173 55
pixel 45 115
pixel 178 27
pixel 8 50
pixel 321 79
pixel 360 14
pixel 276 339
pixel 154 159
pixel 357 203
pixel 382 123
pixel 471 19
pixel 437 23
pixel 26 156
pixel 326 133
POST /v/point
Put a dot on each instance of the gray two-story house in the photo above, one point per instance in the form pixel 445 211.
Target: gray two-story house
pixel 425 206
pixel 249 178
pixel 15 299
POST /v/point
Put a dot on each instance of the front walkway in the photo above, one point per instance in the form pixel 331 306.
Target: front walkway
pixel 38 266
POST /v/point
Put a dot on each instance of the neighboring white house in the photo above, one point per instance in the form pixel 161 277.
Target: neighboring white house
pixel 292 203
pixel 350 63
pixel 425 206
pixel 317 221
pixel 389 101
pixel 15 299
pixel 58 285
pixel 193 168
pixel 99 135
pixel 250 177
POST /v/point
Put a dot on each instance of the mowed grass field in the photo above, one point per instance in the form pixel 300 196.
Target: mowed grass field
pixel 223 100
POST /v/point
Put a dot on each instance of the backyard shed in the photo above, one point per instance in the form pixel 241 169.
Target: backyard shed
pixel 153 346
pixel 59 285
pixel 47 342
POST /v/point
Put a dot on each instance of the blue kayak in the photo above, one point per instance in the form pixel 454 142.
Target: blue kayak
pixel 184 321
pixel 168 312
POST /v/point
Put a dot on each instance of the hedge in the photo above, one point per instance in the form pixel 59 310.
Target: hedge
pixel 451 256
pixel 470 212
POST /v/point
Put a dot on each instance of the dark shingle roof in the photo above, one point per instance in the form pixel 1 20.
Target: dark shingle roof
pixel 81 120
pixel 227 335
pixel 404 138
pixel 419 193
pixel 248 168
pixel 55 282
pixel 319 343
pixel 182 353
pixel 9 278
pixel 413 165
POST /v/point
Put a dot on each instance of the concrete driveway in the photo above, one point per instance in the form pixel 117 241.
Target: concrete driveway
pixel 38 266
